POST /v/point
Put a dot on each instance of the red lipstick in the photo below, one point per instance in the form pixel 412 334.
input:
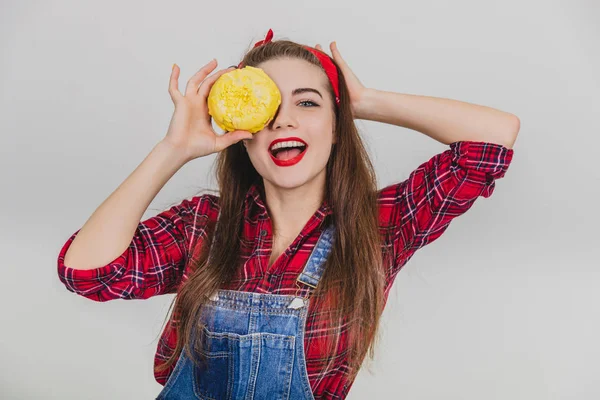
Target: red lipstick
pixel 291 161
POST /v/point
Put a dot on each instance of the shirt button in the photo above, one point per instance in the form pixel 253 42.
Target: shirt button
pixel 263 232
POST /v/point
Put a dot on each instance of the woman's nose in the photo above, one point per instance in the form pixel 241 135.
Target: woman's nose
pixel 282 118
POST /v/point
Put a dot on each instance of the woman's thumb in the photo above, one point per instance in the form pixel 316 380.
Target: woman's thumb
pixel 233 137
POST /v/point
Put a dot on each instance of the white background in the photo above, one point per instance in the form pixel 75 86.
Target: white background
pixel 505 305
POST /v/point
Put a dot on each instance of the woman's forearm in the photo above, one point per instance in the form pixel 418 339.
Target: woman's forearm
pixel 110 229
pixel 444 120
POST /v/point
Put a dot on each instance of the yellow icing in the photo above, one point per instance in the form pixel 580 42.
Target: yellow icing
pixel 245 99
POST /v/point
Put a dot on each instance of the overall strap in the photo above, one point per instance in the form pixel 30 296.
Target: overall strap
pixel 313 270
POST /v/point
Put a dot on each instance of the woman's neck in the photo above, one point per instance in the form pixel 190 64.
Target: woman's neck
pixel 291 208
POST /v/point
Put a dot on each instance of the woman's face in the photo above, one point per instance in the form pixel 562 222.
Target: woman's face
pixel 306 112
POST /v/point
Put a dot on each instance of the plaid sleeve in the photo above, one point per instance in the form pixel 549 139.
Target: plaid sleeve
pixel 154 261
pixel 419 209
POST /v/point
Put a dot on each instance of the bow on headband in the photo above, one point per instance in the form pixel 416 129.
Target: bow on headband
pixel 323 58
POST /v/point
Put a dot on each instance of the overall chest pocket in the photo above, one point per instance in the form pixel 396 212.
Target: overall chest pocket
pixel 258 363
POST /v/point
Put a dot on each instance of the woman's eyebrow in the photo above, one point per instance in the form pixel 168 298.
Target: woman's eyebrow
pixel 304 90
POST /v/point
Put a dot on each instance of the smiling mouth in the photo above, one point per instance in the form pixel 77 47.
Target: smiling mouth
pixel 287 153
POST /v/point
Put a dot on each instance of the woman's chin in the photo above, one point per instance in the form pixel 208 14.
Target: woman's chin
pixel 287 180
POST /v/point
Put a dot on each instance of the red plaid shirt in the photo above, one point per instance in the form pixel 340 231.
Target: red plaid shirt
pixel 412 213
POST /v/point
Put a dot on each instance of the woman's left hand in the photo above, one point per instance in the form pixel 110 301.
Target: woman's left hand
pixel 355 87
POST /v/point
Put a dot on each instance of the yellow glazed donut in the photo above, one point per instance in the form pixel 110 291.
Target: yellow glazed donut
pixel 243 99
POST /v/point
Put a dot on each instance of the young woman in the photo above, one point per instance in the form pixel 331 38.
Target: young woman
pixel 282 297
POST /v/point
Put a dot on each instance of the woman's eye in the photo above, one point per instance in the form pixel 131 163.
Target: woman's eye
pixel 309 103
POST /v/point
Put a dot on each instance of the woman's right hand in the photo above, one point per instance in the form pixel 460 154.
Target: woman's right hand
pixel 190 129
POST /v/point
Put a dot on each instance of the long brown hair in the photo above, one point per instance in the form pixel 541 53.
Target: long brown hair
pixel 353 281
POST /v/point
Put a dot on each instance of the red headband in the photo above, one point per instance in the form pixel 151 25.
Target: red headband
pixel 323 58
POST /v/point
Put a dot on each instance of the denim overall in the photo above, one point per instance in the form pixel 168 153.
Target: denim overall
pixel 255 343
